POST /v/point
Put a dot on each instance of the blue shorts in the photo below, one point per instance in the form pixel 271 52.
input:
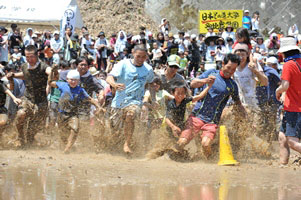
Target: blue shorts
pixel 291 124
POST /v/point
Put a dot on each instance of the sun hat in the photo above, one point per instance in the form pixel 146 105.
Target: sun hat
pixel 73 74
pixel 229 26
pixel 241 46
pixel 93 71
pixel 173 60
pixel 287 44
pixel 170 35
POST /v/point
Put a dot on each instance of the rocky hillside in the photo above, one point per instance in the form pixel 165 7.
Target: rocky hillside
pixel 111 16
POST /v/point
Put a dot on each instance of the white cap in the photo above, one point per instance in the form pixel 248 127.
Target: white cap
pixel 272 60
pixel 34 35
pixel 246 11
pixel 186 35
pixel 56 32
pixel 73 74
pixel 193 36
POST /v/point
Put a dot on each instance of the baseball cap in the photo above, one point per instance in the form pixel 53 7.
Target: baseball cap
pixel 173 60
pixel 272 60
pixel 73 74
pixel 246 11
pixel 56 33
pixel 193 36
pixel 186 35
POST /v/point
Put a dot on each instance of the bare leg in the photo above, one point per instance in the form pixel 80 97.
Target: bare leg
pixel 129 127
pixel 294 143
pixel 284 151
pixel 71 139
pixel 206 144
pixel 20 120
pixel 182 142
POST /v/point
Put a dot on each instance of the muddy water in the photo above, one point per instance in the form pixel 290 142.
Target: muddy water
pixel 73 182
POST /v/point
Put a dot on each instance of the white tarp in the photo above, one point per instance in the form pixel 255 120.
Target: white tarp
pixel 42 12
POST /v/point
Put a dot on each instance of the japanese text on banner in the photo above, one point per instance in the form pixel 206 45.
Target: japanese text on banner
pixel 217 19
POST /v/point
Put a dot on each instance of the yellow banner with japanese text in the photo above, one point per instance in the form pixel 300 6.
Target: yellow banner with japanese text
pixel 217 19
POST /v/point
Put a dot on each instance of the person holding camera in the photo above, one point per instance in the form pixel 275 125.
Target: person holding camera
pixel 165 26
pixel 273 44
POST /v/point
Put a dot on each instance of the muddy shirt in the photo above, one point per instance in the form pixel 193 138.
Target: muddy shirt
pixel 3 89
pixel 176 113
pixel 90 84
pixel 35 83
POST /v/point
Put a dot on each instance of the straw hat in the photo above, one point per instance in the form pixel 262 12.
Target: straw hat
pixel 93 71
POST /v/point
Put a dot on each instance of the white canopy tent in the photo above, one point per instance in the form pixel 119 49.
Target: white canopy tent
pixel 37 12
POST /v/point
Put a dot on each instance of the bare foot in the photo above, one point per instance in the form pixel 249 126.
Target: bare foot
pixel 67 151
pixel 18 143
pixel 126 148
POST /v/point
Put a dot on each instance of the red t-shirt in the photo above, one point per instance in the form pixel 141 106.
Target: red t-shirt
pixel 292 74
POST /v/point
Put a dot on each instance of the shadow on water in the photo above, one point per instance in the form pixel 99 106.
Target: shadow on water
pixel 49 184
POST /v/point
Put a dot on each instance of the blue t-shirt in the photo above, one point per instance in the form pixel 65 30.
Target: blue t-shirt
pixel 246 19
pixel 72 95
pixel 134 78
pixel 268 93
pixel 211 107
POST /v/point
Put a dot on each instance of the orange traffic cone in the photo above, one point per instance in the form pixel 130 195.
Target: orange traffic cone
pixel 225 150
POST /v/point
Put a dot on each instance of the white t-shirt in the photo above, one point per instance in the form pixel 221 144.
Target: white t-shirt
pixel 56 44
pixel 255 24
pixel 226 34
pixel 157 53
pixel 221 54
pixel 246 83
pixel 210 34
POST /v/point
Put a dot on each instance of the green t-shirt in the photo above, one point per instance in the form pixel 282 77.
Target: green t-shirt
pixel 183 62
pixel 55 94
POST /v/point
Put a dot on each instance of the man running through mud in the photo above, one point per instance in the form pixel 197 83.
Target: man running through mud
pixel 34 103
pixel 206 114
pixel 129 77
